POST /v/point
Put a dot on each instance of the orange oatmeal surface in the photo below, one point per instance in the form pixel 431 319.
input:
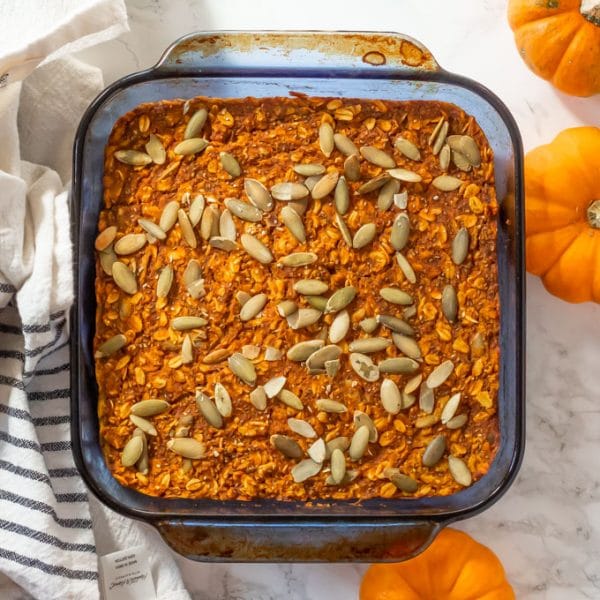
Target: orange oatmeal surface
pixel 415 299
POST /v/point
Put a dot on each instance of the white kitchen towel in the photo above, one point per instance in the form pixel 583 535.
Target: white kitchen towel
pixel 50 529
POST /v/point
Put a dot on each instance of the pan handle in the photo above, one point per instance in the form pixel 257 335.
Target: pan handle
pixel 300 541
pixel 286 51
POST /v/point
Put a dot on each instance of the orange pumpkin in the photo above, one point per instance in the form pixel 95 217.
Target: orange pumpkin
pixel 454 567
pixel 562 214
pixel 560 41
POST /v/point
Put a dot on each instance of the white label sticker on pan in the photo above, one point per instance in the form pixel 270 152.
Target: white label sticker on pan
pixel 126 575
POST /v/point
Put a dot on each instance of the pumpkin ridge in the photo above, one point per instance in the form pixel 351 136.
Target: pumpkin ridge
pixel 566 248
pixel 516 19
pixel 566 57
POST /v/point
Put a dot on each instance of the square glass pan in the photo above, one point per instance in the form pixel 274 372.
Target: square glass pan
pixel 267 64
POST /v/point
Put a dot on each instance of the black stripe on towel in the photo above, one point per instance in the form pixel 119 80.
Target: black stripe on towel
pixel 46 509
pixel 45 538
pixel 65 472
pixel 55 420
pixel 37 327
pixel 12 354
pixel 12 329
pixel 56 446
pixel 72 497
pixel 18 413
pixel 45 567
pixel 19 442
pixel 7 288
pixel 49 394
pixel 39 349
pixel 12 382
pixel 53 371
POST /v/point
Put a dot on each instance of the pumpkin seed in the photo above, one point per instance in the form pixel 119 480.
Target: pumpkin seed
pixel 413 384
pixel 302 350
pixel 457 422
pixel 300 206
pixel 250 351
pixel 272 354
pixel 168 217
pixel 256 249
pixel 405 175
pixel 377 157
pixel 165 280
pixel 364 236
pixel 440 138
pixel 402 365
pixel 258 194
pixel 315 363
pixel 124 278
pixel 459 471
pixel 330 406
pixel 152 228
pixel 326 140
pixel 303 317
pixel 143 424
pixel 368 325
pixel 190 146
pixel 110 346
pixel 317 451
pixel 209 410
pixel 359 443
pixel 439 375
pixel 187 355
pixel 344 144
pixel 133 158
pixel 449 303
pixel 292 220
pixel 132 451
pixel 195 124
pixel 289 191
pixel 446 183
pixel 149 408
pixel 391 398
pixel 298 259
pixel 243 210
pixel 290 399
pixel 188 322
pixel 396 296
pixel 436 131
pixel 406 267
pixel 332 367
pixel 311 181
pixel 187 447
pixel 368 345
pixel 287 446
pixel 466 146
pixel 142 465
pixel 346 235
pixel 156 151
pixel 341 197
pixel 407 148
pixel 107 259
pixel 408 400
pixel 187 231
pixel 400 231
pixel 274 386
pixel 460 246
pixel 395 324
pixel 223 400
pixel 339 327
pixel 310 287
pixel 450 408
pixel 309 169
pixel 338 466
pixel 222 243
pixel 105 238
pixel 242 297
pixel 349 477
pixel 403 482
pixel 352 168
pixel 253 307
pixel 364 367
pixel 445 154
pixel 242 367
pixel 286 307
pixel 386 194
pixel 130 243
pixel 325 185
pixel 460 161
pixel 374 184
pixel 230 164
pixel 196 210
pixel 426 399
pixel 305 469
pixel 339 443
pixel 434 451
pixel 340 299
pixel 401 200
pixel 409 312
pixel 407 345
pixel 258 398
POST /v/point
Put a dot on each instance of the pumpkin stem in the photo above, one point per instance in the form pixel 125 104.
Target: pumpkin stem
pixel 590 9
pixel 593 214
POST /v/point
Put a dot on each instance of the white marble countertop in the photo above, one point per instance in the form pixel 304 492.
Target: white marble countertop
pixel 546 529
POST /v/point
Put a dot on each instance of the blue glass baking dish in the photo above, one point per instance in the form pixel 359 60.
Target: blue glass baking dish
pixel 263 64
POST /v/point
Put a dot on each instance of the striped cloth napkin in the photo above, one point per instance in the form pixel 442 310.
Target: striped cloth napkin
pixel 51 530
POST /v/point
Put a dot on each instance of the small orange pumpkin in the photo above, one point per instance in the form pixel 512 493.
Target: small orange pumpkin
pixel 454 567
pixel 562 214
pixel 560 41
